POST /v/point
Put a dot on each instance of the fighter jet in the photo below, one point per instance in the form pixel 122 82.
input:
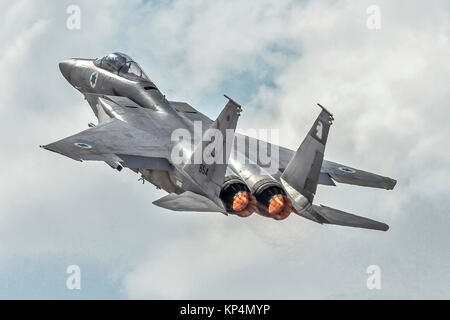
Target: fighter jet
pixel 205 168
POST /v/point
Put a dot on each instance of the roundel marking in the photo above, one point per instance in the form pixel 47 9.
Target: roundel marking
pixel 347 170
pixel 93 79
pixel 83 145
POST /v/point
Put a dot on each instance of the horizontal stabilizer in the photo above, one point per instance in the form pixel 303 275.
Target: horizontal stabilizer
pixel 187 201
pixel 333 216
pixel 325 179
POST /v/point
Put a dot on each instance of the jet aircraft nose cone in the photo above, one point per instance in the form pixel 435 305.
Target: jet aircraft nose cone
pixel 66 68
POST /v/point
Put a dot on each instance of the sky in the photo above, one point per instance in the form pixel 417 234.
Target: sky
pixel 387 88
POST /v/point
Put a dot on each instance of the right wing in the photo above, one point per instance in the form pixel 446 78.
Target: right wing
pixel 329 172
pixel 344 174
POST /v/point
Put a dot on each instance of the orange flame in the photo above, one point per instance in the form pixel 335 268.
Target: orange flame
pixel 240 202
pixel 277 204
pixel 280 207
pixel 249 208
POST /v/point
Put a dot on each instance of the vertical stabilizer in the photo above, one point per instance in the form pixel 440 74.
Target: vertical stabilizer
pixel 302 172
pixel 209 161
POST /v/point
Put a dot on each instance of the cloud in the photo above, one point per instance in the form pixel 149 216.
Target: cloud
pixel 388 90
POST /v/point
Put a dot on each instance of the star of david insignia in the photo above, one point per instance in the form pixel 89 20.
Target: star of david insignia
pixel 93 79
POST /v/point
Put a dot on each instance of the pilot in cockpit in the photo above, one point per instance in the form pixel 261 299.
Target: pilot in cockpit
pixel 122 65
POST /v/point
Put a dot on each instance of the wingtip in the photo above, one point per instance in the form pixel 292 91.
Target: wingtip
pixel 390 184
pixel 394 183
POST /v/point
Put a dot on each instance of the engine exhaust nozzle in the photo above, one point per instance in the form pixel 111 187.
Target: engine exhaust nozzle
pixel 241 201
pixel 244 204
pixel 237 198
pixel 280 207
pixel 274 203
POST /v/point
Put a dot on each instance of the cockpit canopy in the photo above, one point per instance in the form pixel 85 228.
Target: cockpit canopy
pixel 122 65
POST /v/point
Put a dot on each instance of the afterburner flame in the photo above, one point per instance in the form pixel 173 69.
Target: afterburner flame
pixel 241 202
pixel 277 204
pixel 250 207
pixel 280 207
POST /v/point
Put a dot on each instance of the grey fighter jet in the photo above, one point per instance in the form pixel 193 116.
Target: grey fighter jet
pixel 135 130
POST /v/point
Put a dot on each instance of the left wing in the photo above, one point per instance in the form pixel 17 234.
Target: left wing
pixel 114 142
